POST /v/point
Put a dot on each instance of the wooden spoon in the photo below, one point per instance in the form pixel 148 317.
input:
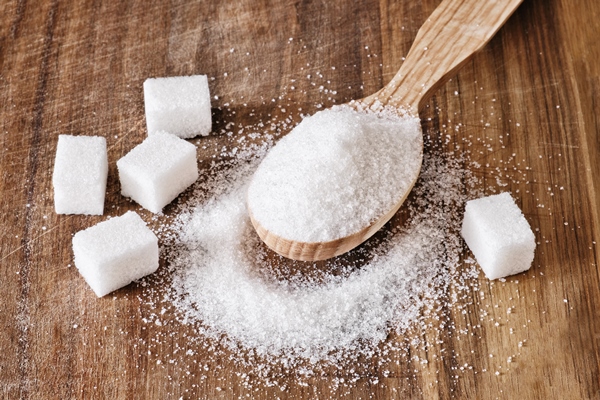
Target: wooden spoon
pixel 446 41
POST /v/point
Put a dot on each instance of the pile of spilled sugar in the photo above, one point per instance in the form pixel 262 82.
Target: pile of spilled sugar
pixel 335 173
pixel 305 317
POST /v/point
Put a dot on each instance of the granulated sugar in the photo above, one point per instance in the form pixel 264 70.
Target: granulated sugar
pixel 235 291
pixel 336 173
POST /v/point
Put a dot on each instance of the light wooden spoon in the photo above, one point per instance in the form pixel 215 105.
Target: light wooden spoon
pixel 446 41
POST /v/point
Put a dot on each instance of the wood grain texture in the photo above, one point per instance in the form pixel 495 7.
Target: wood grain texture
pixel 447 40
pixel 527 111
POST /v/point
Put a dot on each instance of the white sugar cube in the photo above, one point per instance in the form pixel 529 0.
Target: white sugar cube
pixel 80 172
pixel 498 235
pixel 179 105
pixel 156 171
pixel 115 252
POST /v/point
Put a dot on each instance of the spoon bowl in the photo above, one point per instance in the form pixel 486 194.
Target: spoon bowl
pixel 455 31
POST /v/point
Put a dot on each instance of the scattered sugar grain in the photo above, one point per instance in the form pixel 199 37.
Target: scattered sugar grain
pixel 334 318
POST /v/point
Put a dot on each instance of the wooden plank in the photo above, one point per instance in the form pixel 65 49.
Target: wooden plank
pixel 526 111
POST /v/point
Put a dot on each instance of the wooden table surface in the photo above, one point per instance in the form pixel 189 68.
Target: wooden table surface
pixel 527 104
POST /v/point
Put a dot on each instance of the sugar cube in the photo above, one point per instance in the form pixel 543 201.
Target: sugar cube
pixel 115 252
pixel 79 177
pixel 499 236
pixel 179 105
pixel 156 171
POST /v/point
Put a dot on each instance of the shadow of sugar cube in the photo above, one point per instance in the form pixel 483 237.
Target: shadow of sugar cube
pixel 157 170
pixel 115 252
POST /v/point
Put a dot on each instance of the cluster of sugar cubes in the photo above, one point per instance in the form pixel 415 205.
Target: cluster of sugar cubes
pixel 499 236
pixel 164 165
pixel 116 252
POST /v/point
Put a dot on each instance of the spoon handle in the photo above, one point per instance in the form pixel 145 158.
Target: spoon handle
pixel 445 42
